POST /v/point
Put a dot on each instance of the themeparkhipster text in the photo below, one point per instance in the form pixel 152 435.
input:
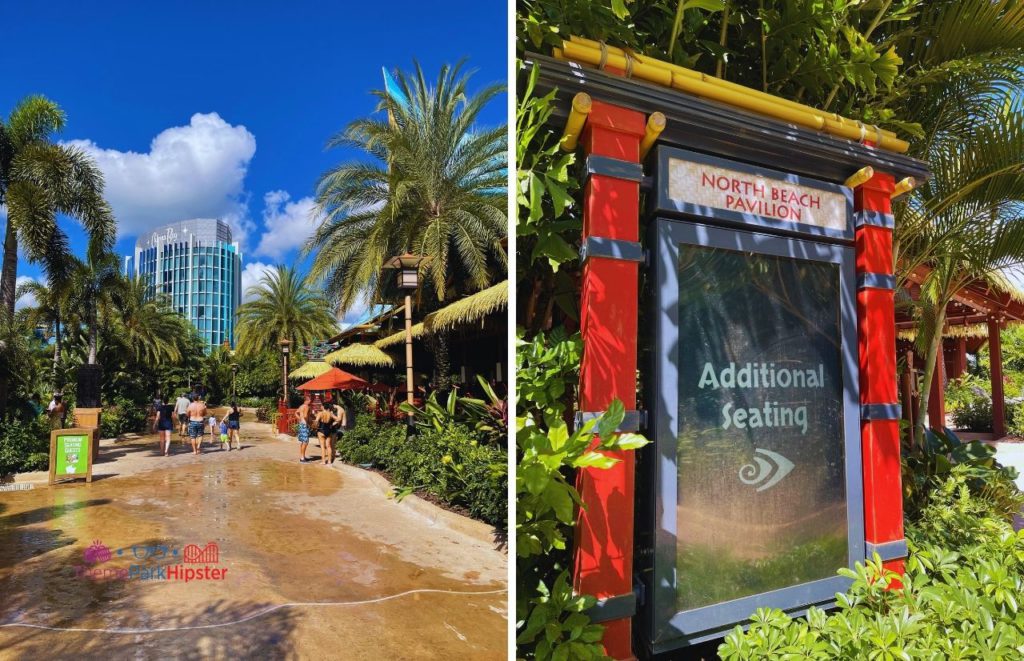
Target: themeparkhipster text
pixel 762 375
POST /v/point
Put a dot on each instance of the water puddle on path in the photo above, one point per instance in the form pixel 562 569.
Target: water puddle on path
pixel 240 517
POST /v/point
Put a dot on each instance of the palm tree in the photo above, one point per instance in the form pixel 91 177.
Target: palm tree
pixel 50 311
pixel 93 283
pixel 282 305
pixel 38 181
pixel 146 326
pixel 966 225
pixel 435 187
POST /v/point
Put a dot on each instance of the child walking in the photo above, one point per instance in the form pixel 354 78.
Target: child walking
pixel 224 442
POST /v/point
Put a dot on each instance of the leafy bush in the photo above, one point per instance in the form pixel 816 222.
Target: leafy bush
pixel 551 619
pixel 964 390
pixel 266 409
pixel 448 463
pixel 24 445
pixel 974 414
pixel 960 597
pixel 123 417
pixel 925 467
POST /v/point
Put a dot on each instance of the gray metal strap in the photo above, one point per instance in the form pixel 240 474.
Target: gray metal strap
pixel 632 421
pixel 614 167
pixel 876 281
pixel 599 246
pixel 613 608
pixel 887 550
pixel 874 218
pixel 881 412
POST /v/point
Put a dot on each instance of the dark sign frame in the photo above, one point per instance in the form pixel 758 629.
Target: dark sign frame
pixel 669 628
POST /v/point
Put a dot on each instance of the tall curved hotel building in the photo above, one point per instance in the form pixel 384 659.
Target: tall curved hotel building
pixel 197 266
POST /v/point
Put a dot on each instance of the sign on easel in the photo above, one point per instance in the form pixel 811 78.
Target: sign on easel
pixel 70 455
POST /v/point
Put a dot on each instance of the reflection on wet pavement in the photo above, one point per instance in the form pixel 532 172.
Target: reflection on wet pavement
pixel 273 552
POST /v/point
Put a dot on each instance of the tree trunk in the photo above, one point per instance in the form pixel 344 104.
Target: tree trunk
pixel 442 363
pixel 929 373
pixel 92 334
pixel 9 275
pixel 57 355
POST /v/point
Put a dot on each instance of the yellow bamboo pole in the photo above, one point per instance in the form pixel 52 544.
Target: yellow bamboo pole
pixel 694 82
pixel 860 176
pixel 655 125
pixel 581 105
pixel 903 186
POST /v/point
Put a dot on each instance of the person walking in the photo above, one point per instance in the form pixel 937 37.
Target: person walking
pixel 214 428
pixel 302 428
pixel 224 442
pixel 234 420
pixel 340 414
pixel 181 408
pixel 196 419
pixel 163 424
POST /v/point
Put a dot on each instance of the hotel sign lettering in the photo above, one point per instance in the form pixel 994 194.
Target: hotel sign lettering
pixel 707 186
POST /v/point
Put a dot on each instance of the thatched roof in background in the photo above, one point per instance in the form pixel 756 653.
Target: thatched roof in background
pixel 469 309
pixel 360 355
pixel 309 370
pixel 969 330
pixel 399 337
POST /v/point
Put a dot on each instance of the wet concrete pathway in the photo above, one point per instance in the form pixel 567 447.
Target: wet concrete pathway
pixel 249 539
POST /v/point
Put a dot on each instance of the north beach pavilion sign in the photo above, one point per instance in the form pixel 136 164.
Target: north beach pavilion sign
pixel 755 409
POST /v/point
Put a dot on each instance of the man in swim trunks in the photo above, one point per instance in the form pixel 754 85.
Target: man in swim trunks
pixel 302 431
pixel 196 419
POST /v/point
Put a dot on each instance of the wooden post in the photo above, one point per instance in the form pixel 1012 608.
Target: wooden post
pixel 961 357
pixel 603 553
pixel 876 333
pixel 995 358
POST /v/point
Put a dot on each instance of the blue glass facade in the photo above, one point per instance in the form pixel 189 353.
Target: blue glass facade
pixel 197 267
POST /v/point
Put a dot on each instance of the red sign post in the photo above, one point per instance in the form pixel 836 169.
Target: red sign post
pixel 603 561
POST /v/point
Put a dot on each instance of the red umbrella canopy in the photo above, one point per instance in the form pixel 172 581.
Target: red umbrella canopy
pixel 334 379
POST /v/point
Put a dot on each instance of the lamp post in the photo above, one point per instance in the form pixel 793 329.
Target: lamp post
pixel 286 347
pixel 234 377
pixel 408 267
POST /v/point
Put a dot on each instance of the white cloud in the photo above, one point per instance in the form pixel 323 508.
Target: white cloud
pixel 287 224
pixel 194 171
pixel 251 275
pixel 27 300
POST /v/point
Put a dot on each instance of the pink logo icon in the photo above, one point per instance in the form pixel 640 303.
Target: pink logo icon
pixel 97 553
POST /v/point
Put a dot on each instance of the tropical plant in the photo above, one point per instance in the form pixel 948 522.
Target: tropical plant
pixel 979 176
pixel 959 598
pixel 434 187
pixel 93 283
pixel 283 306
pixel 50 311
pixel 38 181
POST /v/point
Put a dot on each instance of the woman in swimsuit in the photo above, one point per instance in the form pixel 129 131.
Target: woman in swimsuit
pixel 163 424
pixel 325 427
pixel 234 417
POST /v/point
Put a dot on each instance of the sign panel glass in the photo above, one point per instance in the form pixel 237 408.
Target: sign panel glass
pixel 761 497
pixel 72 455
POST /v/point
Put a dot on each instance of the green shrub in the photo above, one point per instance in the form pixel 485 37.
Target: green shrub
pixel 24 446
pixel 974 414
pixel 961 595
pixel 266 409
pixel 123 417
pixel 925 467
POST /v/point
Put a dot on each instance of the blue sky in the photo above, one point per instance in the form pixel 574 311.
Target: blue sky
pixel 203 109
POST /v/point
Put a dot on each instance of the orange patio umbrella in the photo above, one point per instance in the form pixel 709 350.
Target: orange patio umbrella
pixel 335 379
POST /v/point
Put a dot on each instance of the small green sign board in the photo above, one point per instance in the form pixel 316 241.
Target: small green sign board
pixel 70 454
